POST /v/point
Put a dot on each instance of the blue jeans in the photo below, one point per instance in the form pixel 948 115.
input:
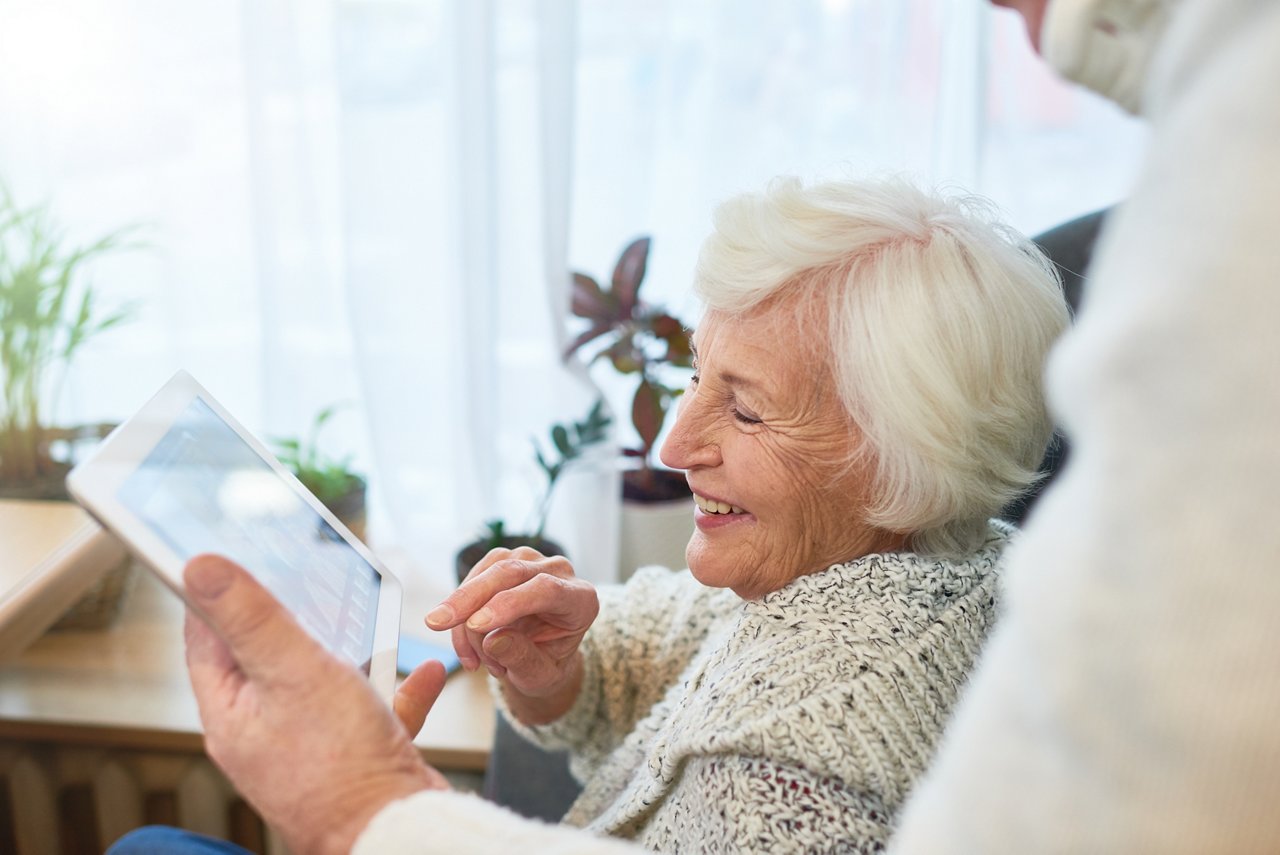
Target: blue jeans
pixel 162 840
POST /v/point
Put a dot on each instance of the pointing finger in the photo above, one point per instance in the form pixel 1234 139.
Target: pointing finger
pixel 489 579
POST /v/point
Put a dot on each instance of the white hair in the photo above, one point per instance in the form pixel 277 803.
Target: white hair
pixel 939 320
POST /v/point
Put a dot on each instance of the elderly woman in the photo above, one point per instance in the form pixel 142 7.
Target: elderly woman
pixel 866 397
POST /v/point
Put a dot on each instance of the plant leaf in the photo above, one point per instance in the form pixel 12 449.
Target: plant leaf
pixel 590 302
pixel 560 438
pixel 625 355
pixel 542 461
pixel 629 273
pixel 597 330
pixel 324 415
pixel 647 413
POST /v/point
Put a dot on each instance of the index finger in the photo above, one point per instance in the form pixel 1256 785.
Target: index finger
pixel 488 579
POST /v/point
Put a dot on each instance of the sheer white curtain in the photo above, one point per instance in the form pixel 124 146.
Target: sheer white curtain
pixel 378 201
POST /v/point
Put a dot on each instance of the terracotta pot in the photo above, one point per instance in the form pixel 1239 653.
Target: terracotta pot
pixel 469 556
pixel 350 509
pixel 60 448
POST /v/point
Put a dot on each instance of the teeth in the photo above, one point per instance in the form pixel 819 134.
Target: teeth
pixel 711 506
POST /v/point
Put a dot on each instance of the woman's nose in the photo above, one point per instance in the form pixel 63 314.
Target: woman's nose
pixel 689 444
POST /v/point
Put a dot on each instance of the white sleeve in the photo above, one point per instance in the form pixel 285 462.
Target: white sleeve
pixel 452 823
pixel 1128 701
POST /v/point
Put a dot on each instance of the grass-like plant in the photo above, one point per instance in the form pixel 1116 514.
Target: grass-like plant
pixel 48 312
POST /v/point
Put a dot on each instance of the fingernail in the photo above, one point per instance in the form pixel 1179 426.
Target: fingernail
pixel 439 615
pixel 480 619
pixel 208 579
pixel 500 645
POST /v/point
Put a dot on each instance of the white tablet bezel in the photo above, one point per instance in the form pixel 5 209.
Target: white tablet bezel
pixel 95 483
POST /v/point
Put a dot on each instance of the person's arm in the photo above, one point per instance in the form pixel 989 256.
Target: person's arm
pixel 647 633
pixel 452 822
pixel 304 738
pixel 1127 702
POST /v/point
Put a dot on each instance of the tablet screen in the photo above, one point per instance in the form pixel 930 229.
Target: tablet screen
pixel 203 489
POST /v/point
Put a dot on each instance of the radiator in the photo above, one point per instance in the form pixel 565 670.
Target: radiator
pixel 58 799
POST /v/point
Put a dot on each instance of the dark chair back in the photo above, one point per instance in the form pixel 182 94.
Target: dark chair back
pixel 1070 248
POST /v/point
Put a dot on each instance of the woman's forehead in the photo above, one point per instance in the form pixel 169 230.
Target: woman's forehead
pixel 767 344
pixel 784 322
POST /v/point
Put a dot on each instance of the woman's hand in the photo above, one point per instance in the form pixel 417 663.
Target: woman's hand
pixel 522 615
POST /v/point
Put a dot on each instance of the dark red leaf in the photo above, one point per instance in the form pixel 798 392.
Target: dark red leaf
pixel 597 330
pixel 647 413
pixel 665 326
pixel 679 350
pixel 589 301
pixel 625 356
pixel 629 273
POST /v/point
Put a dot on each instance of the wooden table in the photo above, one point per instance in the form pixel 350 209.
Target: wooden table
pixel 99 733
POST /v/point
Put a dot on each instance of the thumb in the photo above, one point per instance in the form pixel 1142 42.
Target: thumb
pixel 417 695
pixel 261 636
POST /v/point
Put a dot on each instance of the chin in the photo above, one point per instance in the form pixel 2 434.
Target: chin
pixel 704 567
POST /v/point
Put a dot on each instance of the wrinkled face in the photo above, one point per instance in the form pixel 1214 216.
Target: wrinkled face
pixel 767 447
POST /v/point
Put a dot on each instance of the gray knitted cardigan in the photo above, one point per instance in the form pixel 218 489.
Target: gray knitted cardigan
pixel 793 723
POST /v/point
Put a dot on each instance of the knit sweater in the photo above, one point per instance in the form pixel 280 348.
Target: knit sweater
pixel 792 723
pixel 796 722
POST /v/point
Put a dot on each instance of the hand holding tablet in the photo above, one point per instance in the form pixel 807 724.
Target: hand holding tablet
pixel 182 477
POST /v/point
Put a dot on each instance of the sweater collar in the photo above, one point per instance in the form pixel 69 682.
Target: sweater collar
pixel 903 573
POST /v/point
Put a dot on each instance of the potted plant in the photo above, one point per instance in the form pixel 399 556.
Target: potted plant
pixel 641 339
pixel 568 443
pixel 48 312
pixel 330 479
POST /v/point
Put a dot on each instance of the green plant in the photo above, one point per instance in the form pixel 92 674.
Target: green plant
pixel 568 442
pixel 48 312
pixel 329 478
pixel 638 338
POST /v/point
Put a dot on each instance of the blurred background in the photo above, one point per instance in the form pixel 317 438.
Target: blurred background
pixel 379 202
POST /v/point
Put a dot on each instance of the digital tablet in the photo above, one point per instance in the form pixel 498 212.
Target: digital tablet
pixel 182 477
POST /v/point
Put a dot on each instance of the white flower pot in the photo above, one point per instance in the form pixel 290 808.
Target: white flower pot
pixel 654 533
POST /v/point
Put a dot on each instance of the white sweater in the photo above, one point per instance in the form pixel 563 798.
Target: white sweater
pixel 1130 699
pixel 793 723
pixel 1129 702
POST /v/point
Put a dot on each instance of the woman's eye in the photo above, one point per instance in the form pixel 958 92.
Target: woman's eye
pixel 746 418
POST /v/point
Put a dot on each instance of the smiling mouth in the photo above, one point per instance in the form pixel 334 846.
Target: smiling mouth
pixel 711 506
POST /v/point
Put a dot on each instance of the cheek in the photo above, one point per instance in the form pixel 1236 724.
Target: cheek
pixel 808 484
